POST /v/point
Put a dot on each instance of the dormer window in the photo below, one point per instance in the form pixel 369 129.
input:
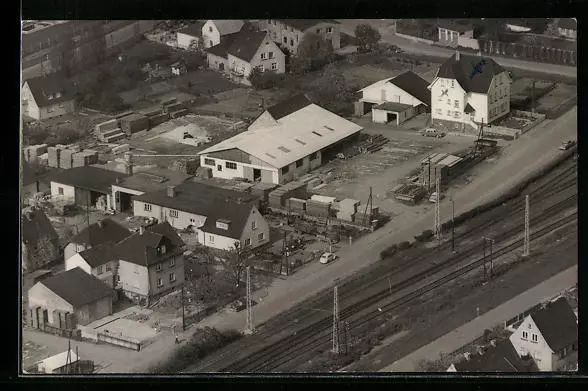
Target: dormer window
pixel 223 224
pixel 161 250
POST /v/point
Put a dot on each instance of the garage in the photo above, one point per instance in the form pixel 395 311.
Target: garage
pixel 394 113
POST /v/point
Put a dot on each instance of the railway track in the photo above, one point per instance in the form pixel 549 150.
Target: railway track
pixel 354 295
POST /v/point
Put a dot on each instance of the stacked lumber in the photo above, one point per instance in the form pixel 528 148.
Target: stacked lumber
pixel 296 205
pixel 53 156
pixel 318 208
pixel 32 152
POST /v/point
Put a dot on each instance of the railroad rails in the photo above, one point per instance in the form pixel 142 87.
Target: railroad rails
pixel 300 331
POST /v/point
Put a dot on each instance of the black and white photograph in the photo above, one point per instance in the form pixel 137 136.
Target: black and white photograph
pixel 298 196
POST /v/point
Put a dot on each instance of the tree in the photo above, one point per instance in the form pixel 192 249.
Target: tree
pixel 264 80
pixel 367 37
pixel 332 92
pixel 234 262
pixel 314 52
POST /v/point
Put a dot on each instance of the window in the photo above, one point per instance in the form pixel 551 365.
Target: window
pixel 456 114
pixel 117 278
pixel 254 224
pixel 534 337
pixel 449 102
pixel 263 56
pixel 285 40
pixel 231 165
pixel 173 213
pixel 318 31
pixel 158 267
pixel 285 169
pixel 99 270
pixel 271 55
pixel 438 111
pixel 247 242
pixel 50 109
pixel 448 112
pixel 274 66
pixel 299 163
pixel 210 29
pixel 147 207
pixel 159 282
pixel 210 43
pixel 209 162
pixel 261 236
pixel 172 277
pixel 456 104
pixel 291 42
pixel 60 190
pixel 525 335
pixel 452 83
pixel 329 29
pixel 291 29
pixel 108 267
pixel 313 156
pixel 219 167
pixel 211 238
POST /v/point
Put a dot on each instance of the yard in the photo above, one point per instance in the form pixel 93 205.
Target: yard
pixel 553 99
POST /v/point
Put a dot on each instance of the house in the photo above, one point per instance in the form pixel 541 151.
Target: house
pixel 468 91
pixel 59 363
pixel 39 240
pixel 215 31
pixel 550 336
pixel 451 30
pixel 289 32
pixel 220 217
pixel 296 133
pixel 47 97
pixel 239 53
pixel 103 231
pixel 190 37
pixel 153 179
pixel 498 357
pixel 31 182
pixel 86 186
pixel 150 263
pixel 568 28
pixel 100 261
pixel 74 292
pixel 395 99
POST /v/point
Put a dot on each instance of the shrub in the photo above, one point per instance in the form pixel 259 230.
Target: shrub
pixel 389 252
pixel 424 236
pixel 264 80
pixel 404 245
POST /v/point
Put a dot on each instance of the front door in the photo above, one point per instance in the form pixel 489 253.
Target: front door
pixel 256 174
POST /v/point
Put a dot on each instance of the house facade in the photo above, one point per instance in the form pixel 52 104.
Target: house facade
pixel 101 232
pixel 289 32
pixel 213 31
pixel 468 91
pixel 39 240
pixel 47 97
pixel 99 261
pixel 190 37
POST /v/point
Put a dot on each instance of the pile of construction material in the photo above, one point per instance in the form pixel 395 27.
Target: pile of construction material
pixel 34 153
pixel 347 209
pixel 278 197
pixel 369 145
pixel 297 205
pixel 262 190
pixel 174 108
pixel 367 217
pixel 186 166
pixel 311 180
pixel 109 131
pixel 133 123
pixel 85 158
pixel 410 192
pixel 70 156
pixel 318 208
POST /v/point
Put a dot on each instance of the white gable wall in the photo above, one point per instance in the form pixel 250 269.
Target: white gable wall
pixel 278 61
pixel 210 34
pixel 388 92
pixel 162 213
pixel 261 226
pixel 69 192
pixel 41 296
pixel 447 107
pixel 524 344
pixel 77 261
pixel 30 107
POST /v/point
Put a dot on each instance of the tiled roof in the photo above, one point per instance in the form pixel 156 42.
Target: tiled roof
pixel 464 72
pixel 222 48
pixel 289 106
pixel 100 254
pixel 236 215
pixel 194 30
pixel 414 85
pixel 153 179
pixel 45 88
pixel 228 26
pixel 141 248
pixel 105 231
pixel 557 323
pixel 501 358
pixel 88 178
pixel 36 224
pixel 246 43
pixel 77 287
pixel 304 24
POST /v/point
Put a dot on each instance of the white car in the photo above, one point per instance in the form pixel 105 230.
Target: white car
pixel 567 145
pixel 327 257
pixel 433 197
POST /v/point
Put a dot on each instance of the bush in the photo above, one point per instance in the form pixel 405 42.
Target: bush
pixel 424 236
pixel 404 245
pixel 389 252
pixel 264 80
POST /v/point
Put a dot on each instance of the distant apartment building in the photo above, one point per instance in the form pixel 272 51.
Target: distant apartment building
pixel 51 46
pixel 289 32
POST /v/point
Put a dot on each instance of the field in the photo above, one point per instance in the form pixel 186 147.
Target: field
pixel 556 97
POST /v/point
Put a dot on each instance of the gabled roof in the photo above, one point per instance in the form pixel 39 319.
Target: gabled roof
pixel 459 25
pixel 501 358
pixel 195 197
pixel 557 323
pixel 194 30
pixel 222 49
pixel 228 26
pixel 414 85
pixel 77 287
pixel 153 179
pixel 568 23
pixel 100 254
pixel 289 106
pixel 246 43
pixel 304 24
pixel 36 224
pixel 104 231
pixel 236 215
pixel 464 72
pixel 468 109
pixel 141 248
pixel 51 89
pixel 88 178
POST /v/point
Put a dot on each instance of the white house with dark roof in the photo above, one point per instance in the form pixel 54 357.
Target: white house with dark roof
pixel 395 99
pixel 295 133
pixel 468 91
pixel 215 31
pixel 99 261
pixel 39 240
pixel 568 28
pixel 191 36
pixel 498 357
pixel 103 231
pixel 550 336
pixel 289 32
pixel 47 96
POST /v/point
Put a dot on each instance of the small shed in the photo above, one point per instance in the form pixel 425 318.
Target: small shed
pixel 390 112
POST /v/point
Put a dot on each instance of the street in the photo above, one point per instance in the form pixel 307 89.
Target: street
pixel 389 36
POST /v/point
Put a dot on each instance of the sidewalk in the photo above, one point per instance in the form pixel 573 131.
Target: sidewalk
pixel 472 330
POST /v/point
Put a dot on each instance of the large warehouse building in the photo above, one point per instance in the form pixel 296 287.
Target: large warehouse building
pixel 285 142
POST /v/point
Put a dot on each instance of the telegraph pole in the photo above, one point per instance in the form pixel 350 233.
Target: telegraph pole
pixel 437 208
pixel 527 242
pixel 249 326
pixel 452 226
pixel 183 310
pixel 335 321
pixel 484 262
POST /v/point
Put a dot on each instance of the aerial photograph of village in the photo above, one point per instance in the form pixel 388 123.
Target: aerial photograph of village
pixel 304 196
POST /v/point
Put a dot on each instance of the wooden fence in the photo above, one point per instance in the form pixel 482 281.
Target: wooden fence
pixel 529 52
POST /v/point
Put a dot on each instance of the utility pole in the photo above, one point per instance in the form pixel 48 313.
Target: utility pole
pixel 484 259
pixel 368 206
pixel 429 183
pixel 68 357
pixel 335 321
pixel 347 338
pixel 249 326
pixel 527 242
pixel 533 97
pixel 452 226
pixel 183 310
pixel 437 208
pixel 77 360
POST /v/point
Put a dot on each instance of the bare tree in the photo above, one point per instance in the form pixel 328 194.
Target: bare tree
pixel 234 262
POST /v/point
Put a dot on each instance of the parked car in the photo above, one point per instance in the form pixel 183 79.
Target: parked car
pixel 430 132
pixel 327 257
pixel 567 145
pixel 237 306
pixel 433 197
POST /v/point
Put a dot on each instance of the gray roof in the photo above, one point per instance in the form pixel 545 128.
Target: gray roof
pixel 77 287
pixel 502 358
pixel 289 106
pixel 392 106
pixel 304 24
pixel 246 43
pixel 568 23
pixel 88 178
pixel 36 224
pixel 100 254
pixel 459 25
pixel 43 87
pixel 153 179
pixel 105 231
pixel 463 72
pixel 236 214
pixel 222 48
pixel 141 249
pixel 194 197
pixel 194 30
pixel 414 85
pixel 557 323
pixel 228 26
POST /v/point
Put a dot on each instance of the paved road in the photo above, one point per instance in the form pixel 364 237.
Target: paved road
pixel 472 330
pixel 518 160
pixel 389 36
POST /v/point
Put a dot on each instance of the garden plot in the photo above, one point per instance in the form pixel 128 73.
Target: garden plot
pixel 554 98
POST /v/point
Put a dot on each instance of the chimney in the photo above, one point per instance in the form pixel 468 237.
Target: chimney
pixel 128 168
pixel 141 231
pixel 171 191
pixel 457 55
